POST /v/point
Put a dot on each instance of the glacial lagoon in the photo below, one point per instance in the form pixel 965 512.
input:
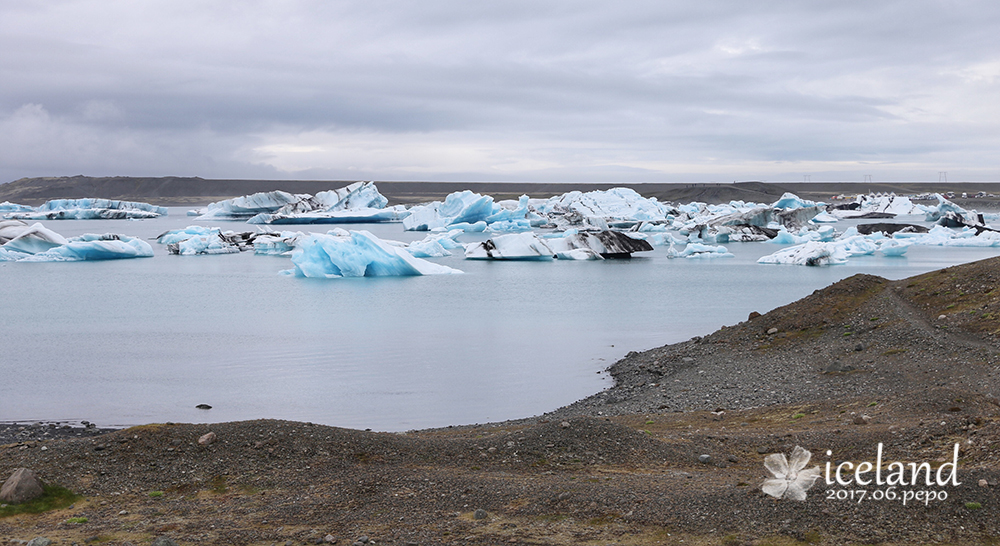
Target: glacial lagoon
pixel 145 340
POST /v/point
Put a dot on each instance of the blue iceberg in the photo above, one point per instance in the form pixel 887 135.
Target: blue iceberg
pixel 91 209
pixel 358 254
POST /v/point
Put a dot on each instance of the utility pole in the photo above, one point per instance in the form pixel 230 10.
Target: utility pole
pixel 807 178
pixel 942 177
pixel 868 179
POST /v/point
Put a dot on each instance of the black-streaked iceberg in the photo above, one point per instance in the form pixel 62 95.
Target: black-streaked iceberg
pixel 91 209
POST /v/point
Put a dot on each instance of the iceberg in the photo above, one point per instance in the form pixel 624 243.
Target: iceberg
pixel 36 243
pixel 599 209
pixel 248 206
pixel 178 235
pixel 216 242
pixel 18 236
pixel 465 207
pixel 7 206
pixel 606 244
pixel 277 244
pixel 698 250
pixel 811 253
pixel 877 205
pixel 358 254
pixel 435 245
pixel 359 202
pixel 515 246
pixel 92 247
pixel 91 209
pixel 789 200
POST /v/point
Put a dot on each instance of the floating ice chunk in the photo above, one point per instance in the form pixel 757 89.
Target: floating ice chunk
pixel 247 206
pixel 620 206
pixel 893 247
pixel 353 216
pixel 824 218
pixel 359 254
pixel 579 254
pixel 276 244
pixel 510 226
pixel 90 247
pixel 791 201
pixel 457 208
pixel 216 242
pixel 869 205
pixel 18 236
pixel 811 253
pixel 609 244
pixel 91 209
pixel 11 255
pixel 7 206
pixel 515 246
pixel 178 235
pixel 698 250
pixel 479 226
pixel 435 245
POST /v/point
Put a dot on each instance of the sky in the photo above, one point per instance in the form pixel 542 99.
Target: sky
pixel 455 90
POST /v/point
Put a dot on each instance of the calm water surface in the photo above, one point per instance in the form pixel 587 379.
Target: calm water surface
pixel 145 340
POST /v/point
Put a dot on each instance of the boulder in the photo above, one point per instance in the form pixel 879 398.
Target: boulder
pixel 22 486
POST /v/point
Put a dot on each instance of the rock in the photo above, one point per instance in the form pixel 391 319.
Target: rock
pixel 837 367
pixel 39 541
pixel 704 459
pixel 564 424
pixel 942 317
pixel 761 450
pixel 862 419
pixel 22 486
pixel 772 331
pixel 479 514
pixel 163 541
pixel 983 483
pixel 207 439
pixel 733 459
pixel 329 539
pixel 203 406
pixel 753 315
pixel 363 539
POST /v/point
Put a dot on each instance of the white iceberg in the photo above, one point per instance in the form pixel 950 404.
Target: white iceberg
pixel 91 209
pixel 17 236
pixel 435 245
pixel 359 202
pixel 178 235
pixel 215 242
pixel 618 207
pixel 811 253
pixel 359 254
pixel 698 250
pixel 277 244
pixel 791 201
pixel 515 246
pixel 248 206
pixel 465 207
pixel 881 204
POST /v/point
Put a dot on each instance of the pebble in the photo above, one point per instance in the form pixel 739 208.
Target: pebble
pixel 207 439
pixel 983 483
pixel 479 514
pixel 704 459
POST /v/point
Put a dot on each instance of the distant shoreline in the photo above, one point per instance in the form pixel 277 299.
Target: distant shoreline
pixel 179 191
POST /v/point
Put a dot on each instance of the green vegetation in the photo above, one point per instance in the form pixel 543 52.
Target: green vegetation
pixel 155 494
pixel 798 416
pixel 54 498
pixel 77 520
pixel 973 505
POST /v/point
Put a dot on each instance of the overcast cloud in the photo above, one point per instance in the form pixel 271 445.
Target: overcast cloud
pixel 459 90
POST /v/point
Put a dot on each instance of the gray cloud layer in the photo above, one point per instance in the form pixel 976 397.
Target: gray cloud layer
pixel 456 90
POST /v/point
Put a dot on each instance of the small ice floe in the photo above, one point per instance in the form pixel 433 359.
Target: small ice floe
pixel 698 250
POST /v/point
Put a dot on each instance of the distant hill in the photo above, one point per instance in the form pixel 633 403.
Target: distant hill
pixel 181 191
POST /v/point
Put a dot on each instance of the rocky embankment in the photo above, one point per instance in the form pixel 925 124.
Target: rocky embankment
pixel 675 451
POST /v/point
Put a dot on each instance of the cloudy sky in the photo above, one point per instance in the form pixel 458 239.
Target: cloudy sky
pixel 479 91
